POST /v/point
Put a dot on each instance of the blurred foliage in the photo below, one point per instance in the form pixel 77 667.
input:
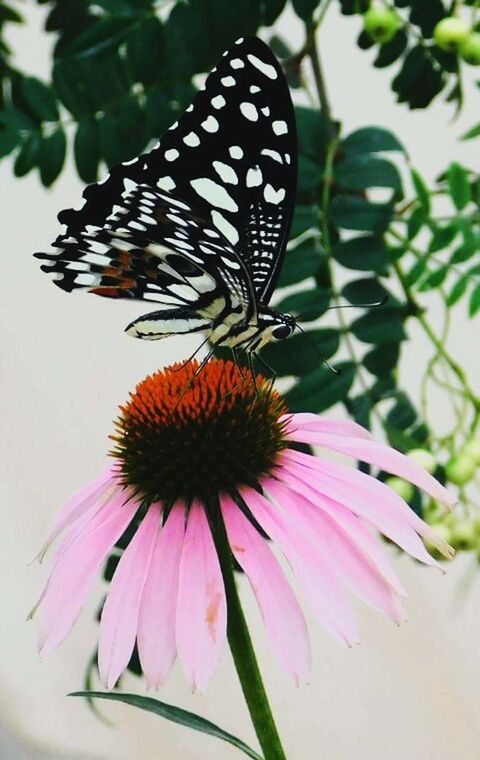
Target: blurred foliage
pixel 366 224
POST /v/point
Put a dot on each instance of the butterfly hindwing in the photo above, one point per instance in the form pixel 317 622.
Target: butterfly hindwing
pixel 154 247
pixel 231 156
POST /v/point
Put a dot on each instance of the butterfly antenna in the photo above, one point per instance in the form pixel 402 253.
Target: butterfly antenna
pixel 325 361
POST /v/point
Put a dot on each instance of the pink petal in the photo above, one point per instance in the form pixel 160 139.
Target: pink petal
pixel 360 501
pixel 76 568
pixel 385 497
pixel 325 594
pixel 118 623
pixel 284 622
pixel 78 504
pixel 315 424
pixel 344 556
pixel 357 532
pixel 157 648
pixel 381 456
pixel 202 610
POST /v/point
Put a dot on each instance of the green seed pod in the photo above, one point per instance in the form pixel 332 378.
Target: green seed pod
pixel 402 487
pixel 450 33
pixel 381 24
pixel 472 450
pixel 463 535
pixel 470 49
pixel 424 458
pixel 460 469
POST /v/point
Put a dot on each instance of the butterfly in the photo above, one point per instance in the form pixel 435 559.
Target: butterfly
pixel 199 225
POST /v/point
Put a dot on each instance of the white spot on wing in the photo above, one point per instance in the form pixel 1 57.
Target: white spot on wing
pixel 228 81
pixel 280 127
pixel 249 111
pixel 214 193
pixel 265 68
pixel 86 279
pixel 235 151
pixel 225 227
pixel 129 185
pixel 254 177
pixel 272 154
pixel 210 124
pixel 254 89
pixel 225 172
pixel 237 63
pixel 166 183
pixel 218 101
pixel 171 154
pixel 192 140
pixel 273 196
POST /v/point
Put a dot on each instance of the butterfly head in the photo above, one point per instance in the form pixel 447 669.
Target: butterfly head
pixel 274 325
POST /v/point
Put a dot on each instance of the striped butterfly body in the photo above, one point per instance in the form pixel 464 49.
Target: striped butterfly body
pixel 199 225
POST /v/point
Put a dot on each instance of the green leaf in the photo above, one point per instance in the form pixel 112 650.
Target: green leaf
pixel 382 360
pixel 470 133
pixel 309 175
pixel 100 38
pixel 403 414
pixel 364 290
pixel 463 253
pixel 418 269
pixel 391 51
pixel 159 112
pixel 422 191
pixel 15 119
pixel 371 140
pixel 420 79
pixel 86 150
pixel 357 172
pixel 416 220
pixel 40 99
pixel 313 134
pixel 458 290
pixel 442 237
pixel 353 213
pixel 123 135
pixel 172 713
pixel 8 141
pixel 367 253
pixel 301 262
pixel 304 218
pixel 52 156
pixel 28 155
pixel 145 51
pixel 474 303
pixel 305 8
pixel 307 305
pixel 382 325
pixel 459 186
pixel 321 389
pixel 433 280
pixel 301 353
pixel 271 10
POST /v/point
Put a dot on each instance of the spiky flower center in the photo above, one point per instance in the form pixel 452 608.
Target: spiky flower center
pixel 186 436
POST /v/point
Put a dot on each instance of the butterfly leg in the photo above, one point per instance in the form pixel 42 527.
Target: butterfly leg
pixel 273 374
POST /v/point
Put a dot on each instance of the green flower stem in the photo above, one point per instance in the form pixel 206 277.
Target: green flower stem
pixel 243 653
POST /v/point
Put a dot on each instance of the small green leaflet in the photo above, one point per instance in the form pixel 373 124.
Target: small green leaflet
pixel 170 712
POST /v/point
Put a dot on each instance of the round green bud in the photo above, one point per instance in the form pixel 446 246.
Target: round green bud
pixel 460 469
pixel 463 535
pixel 402 487
pixel 470 49
pixel 450 33
pixel 381 24
pixel 472 450
pixel 424 458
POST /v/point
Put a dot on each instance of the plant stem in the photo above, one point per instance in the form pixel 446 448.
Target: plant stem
pixel 312 51
pixel 243 653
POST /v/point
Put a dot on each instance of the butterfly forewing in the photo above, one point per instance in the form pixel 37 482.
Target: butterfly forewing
pixel 231 156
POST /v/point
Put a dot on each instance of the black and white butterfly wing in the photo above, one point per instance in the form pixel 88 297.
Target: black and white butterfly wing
pixel 154 247
pixel 231 156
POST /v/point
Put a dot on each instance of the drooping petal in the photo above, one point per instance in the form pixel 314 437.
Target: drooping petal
pixel 157 648
pixel 386 498
pixel 381 456
pixel 78 504
pixel 356 530
pixel 284 622
pixel 76 568
pixel 316 424
pixel 201 621
pixel 119 620
pixel 361 502
pixel 325 594
pixel 349 563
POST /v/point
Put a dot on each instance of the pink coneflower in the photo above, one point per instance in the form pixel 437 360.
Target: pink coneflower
pixel 195 456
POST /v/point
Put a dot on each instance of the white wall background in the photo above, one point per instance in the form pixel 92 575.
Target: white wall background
pixel 66 365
